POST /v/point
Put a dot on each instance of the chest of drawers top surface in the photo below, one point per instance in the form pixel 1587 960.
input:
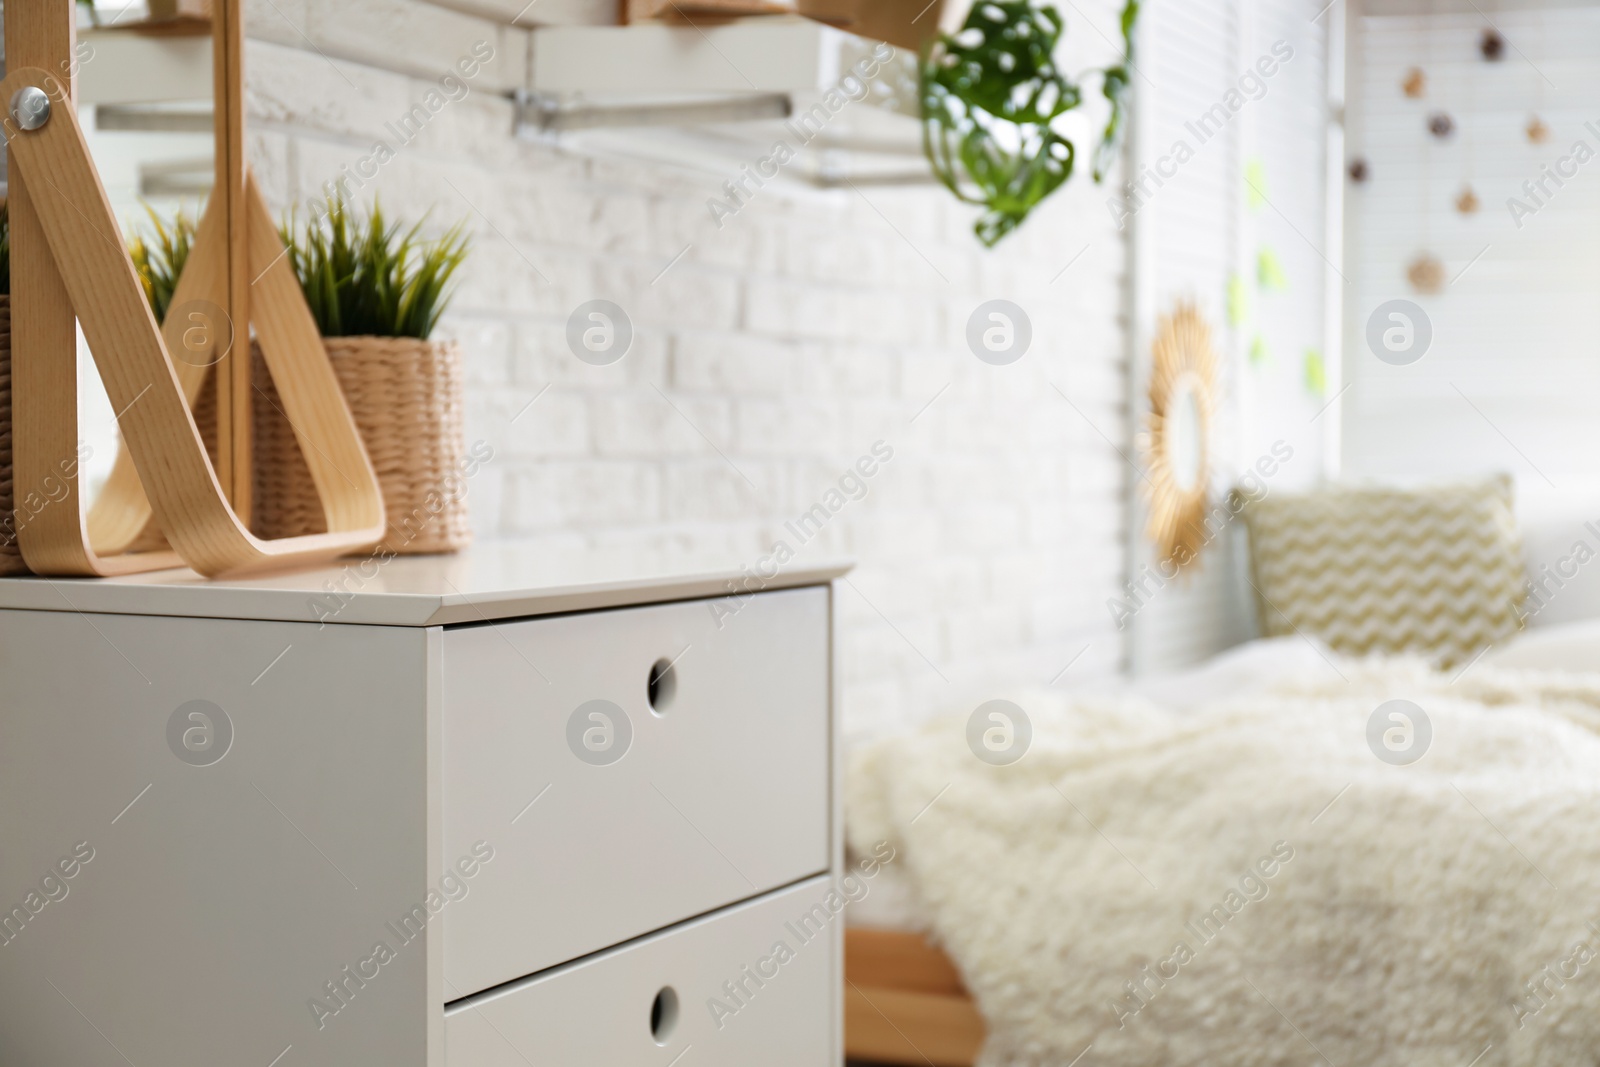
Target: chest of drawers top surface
pixel 493 580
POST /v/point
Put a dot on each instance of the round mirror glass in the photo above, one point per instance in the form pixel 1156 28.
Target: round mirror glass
pixel 1183 439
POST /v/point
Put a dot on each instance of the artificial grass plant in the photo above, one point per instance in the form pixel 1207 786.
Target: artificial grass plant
pixel 365 277
pixel 159 259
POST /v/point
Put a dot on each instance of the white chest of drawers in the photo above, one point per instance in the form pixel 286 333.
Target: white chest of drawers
pixel 465 812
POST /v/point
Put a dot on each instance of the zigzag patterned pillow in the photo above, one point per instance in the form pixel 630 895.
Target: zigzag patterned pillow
pixel 1432 572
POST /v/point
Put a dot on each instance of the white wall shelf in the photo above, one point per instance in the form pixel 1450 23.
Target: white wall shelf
pixel 752 55
pixel 131 68
pixel 716 98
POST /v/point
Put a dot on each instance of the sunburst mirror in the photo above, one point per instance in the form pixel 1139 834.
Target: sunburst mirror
pixel 1176 442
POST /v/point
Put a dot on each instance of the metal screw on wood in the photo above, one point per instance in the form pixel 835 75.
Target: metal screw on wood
pixel 30 107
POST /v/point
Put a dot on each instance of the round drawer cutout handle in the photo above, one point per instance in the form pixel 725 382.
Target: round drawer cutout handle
pixel 664 1015
pixel 662 685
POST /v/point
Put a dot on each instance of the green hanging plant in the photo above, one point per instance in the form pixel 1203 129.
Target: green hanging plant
pixel 365 278
pixel 1114 84
pixel 991 93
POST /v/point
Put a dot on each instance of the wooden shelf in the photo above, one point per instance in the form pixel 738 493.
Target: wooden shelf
pixel 180 26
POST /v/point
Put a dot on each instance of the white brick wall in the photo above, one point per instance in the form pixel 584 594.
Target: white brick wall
pixel 789 341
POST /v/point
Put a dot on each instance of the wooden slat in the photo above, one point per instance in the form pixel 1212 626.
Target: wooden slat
pixel 120 515
pixel 899 1027
pixel 228 195
pixel 899 959
pixel 44 349
pixel 313 401
pixel 44 343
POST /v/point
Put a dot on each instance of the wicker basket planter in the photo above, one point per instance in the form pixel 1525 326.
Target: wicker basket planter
pixel 10 554
pixel 406 396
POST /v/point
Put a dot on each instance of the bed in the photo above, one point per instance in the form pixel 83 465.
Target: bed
pixel 907 1001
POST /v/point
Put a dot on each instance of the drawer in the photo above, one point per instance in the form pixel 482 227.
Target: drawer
pixel 652 1001
pixel 615 806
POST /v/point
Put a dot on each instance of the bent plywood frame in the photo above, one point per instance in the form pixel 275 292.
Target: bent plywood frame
pixel 120 516
pixel 44 359
pixel 137 370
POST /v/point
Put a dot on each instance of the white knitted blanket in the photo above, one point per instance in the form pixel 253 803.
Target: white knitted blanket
pixel 1249 884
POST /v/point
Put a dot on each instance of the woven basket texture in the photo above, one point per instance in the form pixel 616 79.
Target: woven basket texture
pixel 407 399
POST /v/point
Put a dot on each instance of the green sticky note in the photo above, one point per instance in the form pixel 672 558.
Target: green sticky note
pixel 1258 350
pixel 1255 184
pixel 1316 372
pixel 1269 272
pixel 1238 301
